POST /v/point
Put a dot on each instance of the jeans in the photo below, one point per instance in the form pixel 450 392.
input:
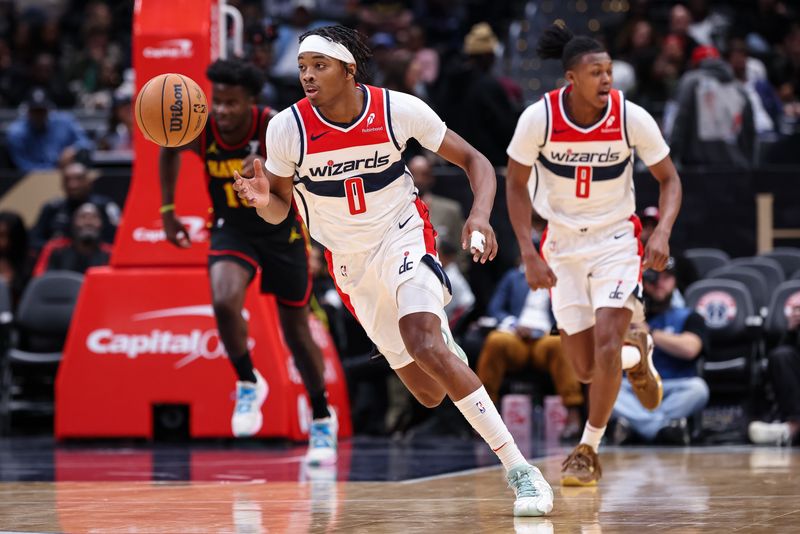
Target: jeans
pixel 683 397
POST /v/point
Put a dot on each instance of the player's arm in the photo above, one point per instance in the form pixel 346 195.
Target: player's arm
pixel 268 193
pixel 169 165
pixel 520 211
pixel 656 252
pixel 483 183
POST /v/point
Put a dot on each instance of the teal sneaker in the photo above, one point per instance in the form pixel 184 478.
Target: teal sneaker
pixel 322 440
pixel 534 494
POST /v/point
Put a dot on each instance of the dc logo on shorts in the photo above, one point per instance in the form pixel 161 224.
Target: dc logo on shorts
pixel 616 294
pixel 480 406
pixel 407 265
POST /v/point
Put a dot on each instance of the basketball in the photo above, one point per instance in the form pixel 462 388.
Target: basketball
pixel 171 110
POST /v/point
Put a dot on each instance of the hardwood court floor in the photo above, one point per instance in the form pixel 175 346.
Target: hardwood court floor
pixel 715 489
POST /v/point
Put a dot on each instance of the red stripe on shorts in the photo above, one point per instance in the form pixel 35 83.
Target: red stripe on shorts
pixel 428 232
pixel 345 296
pixel 235 253
pixel 637 232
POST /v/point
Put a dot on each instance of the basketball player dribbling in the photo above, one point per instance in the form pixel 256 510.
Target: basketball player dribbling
pixel 338 151
pixel 241 242
pixel 578 142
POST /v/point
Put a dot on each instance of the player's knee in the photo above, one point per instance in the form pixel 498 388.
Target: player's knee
pixel 429 357
pixel 584 371
pixel 225 306
pixel 607 355
pixel 429 399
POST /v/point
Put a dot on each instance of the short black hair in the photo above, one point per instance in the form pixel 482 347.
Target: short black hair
pixel 351 39
pixel 558 42
pixel 236 72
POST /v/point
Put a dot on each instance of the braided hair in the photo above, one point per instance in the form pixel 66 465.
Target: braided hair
pixel 351 39
pixel 558 42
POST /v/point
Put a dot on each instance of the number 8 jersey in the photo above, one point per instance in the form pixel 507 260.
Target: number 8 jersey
pixel 583 176
pixel 351 183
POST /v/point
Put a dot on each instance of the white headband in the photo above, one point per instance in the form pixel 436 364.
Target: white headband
pixel 321 45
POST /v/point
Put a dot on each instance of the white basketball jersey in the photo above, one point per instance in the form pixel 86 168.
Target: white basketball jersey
pixel 351 182
pixel 583 177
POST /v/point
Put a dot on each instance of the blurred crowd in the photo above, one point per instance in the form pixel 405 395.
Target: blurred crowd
pixel 723 78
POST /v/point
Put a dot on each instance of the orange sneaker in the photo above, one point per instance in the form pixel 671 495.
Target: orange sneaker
pixel 581 468
pixel 643 376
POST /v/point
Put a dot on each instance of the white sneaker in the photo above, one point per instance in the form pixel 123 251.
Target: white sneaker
pixel 534 496
pixel 247 417
pixel 769 433
pixel 322 440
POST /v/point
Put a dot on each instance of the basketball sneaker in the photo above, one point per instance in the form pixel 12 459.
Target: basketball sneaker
pixel 322 440
pixel 534 496
pixel 581 468
pixel 644 378
pixel 762 433
pixel 247 417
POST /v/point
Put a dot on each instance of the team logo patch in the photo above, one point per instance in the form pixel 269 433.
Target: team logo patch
pixel 407 265
pixel 480 406
pixel 616 294
pixel 718 308
pixel 343 270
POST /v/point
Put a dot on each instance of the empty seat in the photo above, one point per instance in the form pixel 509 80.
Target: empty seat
pixel 787 257
pixel 731 363
pixel 40 329
pixel 751 278
pixel 706 259
pixel 771 269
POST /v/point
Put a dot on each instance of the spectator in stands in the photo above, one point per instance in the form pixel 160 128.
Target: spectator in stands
pixel 784 375
pixel 713 122
pixel 446 215
pixel 752 75
pixel 36 140
pixel 474 102
pixel 680 336
pixel 680 20
pixel 15 265
pixel 522 339
pixel 463 298
pixel 83 249
pixel 120 125
pixel 55 219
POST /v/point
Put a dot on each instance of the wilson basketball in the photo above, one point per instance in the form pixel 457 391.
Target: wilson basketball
pixel 171 110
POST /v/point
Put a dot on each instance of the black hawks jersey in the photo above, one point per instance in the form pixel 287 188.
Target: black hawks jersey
pixel 221 160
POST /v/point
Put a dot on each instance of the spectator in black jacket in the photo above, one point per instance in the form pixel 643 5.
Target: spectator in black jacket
pixel 55 219
pixel 79 252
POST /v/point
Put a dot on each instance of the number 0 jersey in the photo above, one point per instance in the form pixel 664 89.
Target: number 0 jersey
pixel 583 177
pixel 351 183
pixel 220 161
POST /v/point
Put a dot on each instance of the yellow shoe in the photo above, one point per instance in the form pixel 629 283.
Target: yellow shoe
pixel 644 378
pixel 581 468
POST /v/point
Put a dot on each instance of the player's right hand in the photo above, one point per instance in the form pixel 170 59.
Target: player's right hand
pixel 175 230
pixel 255 190
pixel 538 274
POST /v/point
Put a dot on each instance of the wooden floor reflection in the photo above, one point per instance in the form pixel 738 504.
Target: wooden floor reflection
pixel 644 490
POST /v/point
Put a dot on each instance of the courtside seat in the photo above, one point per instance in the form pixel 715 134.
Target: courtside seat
pixel 770 268
pixel 783 299
pixel 706 259
pixel 751 278
pixel 787 257
pixel 39 331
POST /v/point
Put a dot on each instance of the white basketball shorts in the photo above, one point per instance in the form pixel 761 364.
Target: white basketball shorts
pixel 596 268
pixel 369 281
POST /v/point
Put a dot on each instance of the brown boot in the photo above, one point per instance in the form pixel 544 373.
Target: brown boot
pixel 581 468
pixel 643 376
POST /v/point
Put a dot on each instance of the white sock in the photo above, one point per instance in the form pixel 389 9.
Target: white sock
pixel 630 356
pixel 592 436
pixel 481 413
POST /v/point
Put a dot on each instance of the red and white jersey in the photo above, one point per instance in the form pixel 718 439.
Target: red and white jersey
pixel 351 183
pixel 583 177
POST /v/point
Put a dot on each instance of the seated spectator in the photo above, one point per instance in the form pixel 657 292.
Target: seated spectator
pixel 713 119
pixel 56 216
pixel 463 298
pixel 119 135
pixel 679 335
pixel 784 375
pixel 36 140
pixel 14 259
pixel 80 251
pixel 446 215
pixel 523 338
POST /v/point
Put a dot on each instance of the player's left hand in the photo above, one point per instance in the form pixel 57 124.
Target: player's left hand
pixel 479 223
pixel 656 253
pixel 254 190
